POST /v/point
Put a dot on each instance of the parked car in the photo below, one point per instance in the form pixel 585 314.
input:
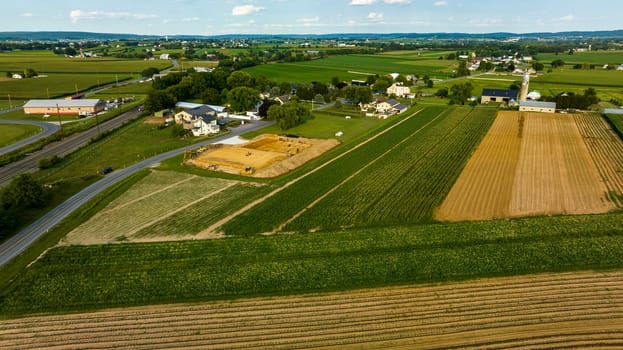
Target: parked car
pixel 106 170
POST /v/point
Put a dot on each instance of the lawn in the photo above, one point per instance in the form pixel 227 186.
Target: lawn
pixel 130 144
pixel 9 134
pixel 326 123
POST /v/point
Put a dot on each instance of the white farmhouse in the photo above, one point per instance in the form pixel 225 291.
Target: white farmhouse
pixel 399 89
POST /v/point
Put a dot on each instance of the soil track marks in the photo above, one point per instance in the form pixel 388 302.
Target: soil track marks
pixel 545 311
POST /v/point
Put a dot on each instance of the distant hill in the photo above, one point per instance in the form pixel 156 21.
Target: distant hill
pixel 40 36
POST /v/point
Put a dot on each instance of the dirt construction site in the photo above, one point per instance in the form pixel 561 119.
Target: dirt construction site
pixel 264 156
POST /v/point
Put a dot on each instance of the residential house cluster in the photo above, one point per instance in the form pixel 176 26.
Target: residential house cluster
pixel 382 108
pixel 201 120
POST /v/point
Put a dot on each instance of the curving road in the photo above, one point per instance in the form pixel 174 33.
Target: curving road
pixel 47 130
pixel 61 148
pixel 20 242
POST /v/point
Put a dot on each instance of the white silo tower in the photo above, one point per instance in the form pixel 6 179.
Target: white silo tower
pixel 523 95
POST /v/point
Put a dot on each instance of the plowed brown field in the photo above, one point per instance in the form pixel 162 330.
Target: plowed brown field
pixel 539 164
pixel 541 311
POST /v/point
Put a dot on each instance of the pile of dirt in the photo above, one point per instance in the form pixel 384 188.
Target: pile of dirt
pixel 265 156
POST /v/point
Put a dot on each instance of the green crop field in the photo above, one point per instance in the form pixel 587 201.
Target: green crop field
pixel 45 62
pixel 598 58
pixel 432 144
pixel 54 85
pixel 396 187
pixel 79 278
pixel 164 204
pixel 354 67
pixel 9 134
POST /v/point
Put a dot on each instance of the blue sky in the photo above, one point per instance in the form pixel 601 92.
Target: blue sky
pixel 208 17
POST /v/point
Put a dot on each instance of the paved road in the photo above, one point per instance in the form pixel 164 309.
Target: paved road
pixel 20 242
pixel 61 148
pixel 47 130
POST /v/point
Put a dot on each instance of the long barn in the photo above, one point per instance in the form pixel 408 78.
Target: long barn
pixel 70 107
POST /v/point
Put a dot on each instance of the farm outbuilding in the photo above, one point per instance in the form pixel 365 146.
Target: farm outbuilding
pixel 537 106
pixel 497 95
pixel 70 107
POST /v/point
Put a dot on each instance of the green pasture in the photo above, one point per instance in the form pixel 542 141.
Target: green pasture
pixel 9 134
pixel 326 123
pixel 579 77
pixel 54 85
pixel 130 144
pixel 80 278
pixel 46 62
pixel 598 58
pixel 353 67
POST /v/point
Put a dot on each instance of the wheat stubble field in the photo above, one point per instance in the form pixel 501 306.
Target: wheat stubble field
pixel 539 164
pixel 539 311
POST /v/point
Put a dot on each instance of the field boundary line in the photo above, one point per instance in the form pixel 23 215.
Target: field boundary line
pixel 191 177
pixel 213 227
pixel 185 206
pixel 370 163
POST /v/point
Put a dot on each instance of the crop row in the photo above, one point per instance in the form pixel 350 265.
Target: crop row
pixel 197 217
pixel 90 277
pixel 398 188
pixel 142 207
pixel 295 197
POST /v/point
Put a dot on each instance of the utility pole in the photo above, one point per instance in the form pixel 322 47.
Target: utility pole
pixel 10 103
pixel 60 122
pixel 48 91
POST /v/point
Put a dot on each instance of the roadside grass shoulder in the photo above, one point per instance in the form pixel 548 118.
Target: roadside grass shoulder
pixel 9 134
pixel 18 265
pixel 81 278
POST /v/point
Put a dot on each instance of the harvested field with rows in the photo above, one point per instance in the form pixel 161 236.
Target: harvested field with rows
pixel 581 309
pixel 539 164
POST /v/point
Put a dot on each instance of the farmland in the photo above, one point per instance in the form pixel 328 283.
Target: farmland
pixel 539 164
pixel 162 206
pixel 45 62
pixel 548 310
pixel 75 278
pixel 396 164
pixel 355 67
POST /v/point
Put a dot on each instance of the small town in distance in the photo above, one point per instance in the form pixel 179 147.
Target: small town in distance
pixel 319 183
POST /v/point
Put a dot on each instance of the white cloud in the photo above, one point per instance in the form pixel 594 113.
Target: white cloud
pixel 244 10
pixel 567 18
pixel 486 22
pixel 400 2
pixel 77 15
pixel 309 20
pixel 440 3
pixel 362 2
pixel 375 16
pixel 191 19
pixel 27 14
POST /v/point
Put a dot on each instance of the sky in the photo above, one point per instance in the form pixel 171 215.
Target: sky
pixel 209 17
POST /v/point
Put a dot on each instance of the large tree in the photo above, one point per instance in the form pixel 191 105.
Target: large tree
pixel 289 114
pixel 243 98
pixel 461 92
pixel 158 100
pixel 238 79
